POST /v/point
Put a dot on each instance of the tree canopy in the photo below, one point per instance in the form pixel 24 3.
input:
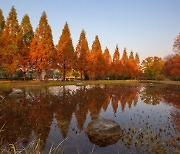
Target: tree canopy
pixel 28 54
pixel 65 51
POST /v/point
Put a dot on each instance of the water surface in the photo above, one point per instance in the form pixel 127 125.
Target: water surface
pixel 148 114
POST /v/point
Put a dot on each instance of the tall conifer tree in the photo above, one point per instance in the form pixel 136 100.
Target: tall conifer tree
pixel 108 62
pixel 65 52
pixel 116 56
pixel 137 58
pixel 124 56
pixel 27 36
pixel 10 43
pixel 124 61
pixel 137 61
pixel 131 56
pixel 131 65
pixel 116 65
pixel 97 60
pixel 42 47
pixel 2 22
pixel 107 56
pixel 82 52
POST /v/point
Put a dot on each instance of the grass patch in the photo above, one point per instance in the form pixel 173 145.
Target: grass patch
pixel 9 84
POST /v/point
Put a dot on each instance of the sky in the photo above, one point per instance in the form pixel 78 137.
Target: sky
pixel 148 27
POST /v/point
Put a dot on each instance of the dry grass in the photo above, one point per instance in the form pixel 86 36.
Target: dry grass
pixel 33 148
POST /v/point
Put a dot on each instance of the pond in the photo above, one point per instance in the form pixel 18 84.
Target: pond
pixel 148 116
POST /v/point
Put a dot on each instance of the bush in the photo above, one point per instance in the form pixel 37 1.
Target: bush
pixel 159 77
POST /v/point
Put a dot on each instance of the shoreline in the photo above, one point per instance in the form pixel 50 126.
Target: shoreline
pixel 80 83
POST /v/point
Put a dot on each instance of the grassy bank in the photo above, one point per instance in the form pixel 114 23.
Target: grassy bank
pixel 8 84
pixel 61 83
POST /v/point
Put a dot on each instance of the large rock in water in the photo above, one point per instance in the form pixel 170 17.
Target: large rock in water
pixel 103 132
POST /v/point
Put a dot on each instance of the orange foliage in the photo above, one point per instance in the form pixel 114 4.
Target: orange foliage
pixel 65 52
pixel 42 47
pixel 172 66
pixel 97 61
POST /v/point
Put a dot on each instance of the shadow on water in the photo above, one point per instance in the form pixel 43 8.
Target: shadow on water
pixel 147 114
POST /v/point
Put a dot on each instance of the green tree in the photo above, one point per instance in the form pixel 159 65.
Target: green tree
pixel 65 52
pixel 2 21
pixel 27 36
pixel 82 52
pixel 42 47
pixel 10 44
pixel 152 68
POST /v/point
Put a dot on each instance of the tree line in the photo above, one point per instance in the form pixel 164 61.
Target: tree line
pixel 29 54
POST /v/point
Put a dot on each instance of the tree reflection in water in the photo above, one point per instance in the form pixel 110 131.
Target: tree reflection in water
pixel 31 114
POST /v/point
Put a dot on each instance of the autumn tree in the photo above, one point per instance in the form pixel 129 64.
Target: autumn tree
pixel 152 68
pixel 2 22
pixel 172 67
pixel 82 53
pixel 116 68
pixel 10 44
pixel 27 36
pixel 137 58
pixel 42 47
pixel 137 65
pixel 131 65
pixel 124 60
pixel 172 62
pixel 131 56
pixel 108 61
pixel 65 52
pixel 176 45
pixel 124 56
pixel 97 61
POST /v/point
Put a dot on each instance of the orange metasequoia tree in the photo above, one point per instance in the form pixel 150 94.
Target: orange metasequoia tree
pixel 2 21
pixel 125 69
pixel 42 48
pixel 108 61
pixel 97 61
pixel 82 53
pixel 27 36
pixel 116 64
pixel 65 52
pixel 10 44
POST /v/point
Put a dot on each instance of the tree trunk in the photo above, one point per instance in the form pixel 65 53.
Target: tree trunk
pixel 24 75
pixel 11 76
pixel 31 77
pixel 64 72
pixel 40 75
pixel 81 75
